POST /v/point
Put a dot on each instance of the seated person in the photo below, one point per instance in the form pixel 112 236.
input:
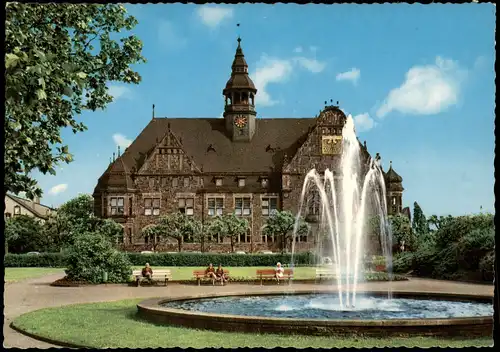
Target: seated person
pixel 279 271
pixel 210 272
pixel 219 273
pixel 147 272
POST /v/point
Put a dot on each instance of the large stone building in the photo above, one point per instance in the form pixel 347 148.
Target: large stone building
pixel 208 166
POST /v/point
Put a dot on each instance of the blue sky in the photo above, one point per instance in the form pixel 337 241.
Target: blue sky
pixel 418 80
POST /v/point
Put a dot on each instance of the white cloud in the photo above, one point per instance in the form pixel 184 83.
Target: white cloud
pixel 121 140
pixel 311 65
pixel 275 70
pixel 297 49
pixel 58 189
pixel 269 70
pixel 313 49
pixel 352 75
pixel 427 89
pixel 118 92
pixel 363 122
pixel 169 37
pixel 213 16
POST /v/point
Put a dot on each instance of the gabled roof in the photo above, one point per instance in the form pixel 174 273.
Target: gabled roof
pixel 39 210
pixel 205 140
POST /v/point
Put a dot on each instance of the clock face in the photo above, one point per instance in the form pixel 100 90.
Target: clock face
pixel 240 121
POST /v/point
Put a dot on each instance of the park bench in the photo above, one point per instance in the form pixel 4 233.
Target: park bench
pixel 200 275
pixel 325 273
pixel 157 275
pixel 271 274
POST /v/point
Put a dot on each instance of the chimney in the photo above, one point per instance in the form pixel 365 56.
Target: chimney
pixel 36 200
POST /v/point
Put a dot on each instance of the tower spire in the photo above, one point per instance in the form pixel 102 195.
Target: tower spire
pixel 153 111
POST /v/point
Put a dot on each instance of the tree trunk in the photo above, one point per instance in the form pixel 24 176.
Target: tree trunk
pixel 202 246
pixel 232 244
pixel 179 244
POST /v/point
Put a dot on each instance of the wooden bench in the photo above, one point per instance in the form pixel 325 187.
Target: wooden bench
pixel 325 273
pixel 271 274
pixel 200 275
pixel 157 275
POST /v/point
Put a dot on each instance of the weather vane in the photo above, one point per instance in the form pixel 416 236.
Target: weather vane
pixel 238 25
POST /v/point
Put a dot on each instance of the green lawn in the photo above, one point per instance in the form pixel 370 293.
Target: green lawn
pixel 186 273
pixel 18 274
pixel 114 325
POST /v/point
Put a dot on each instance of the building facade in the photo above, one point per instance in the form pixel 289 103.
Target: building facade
pixel 205 167
pixel 15 206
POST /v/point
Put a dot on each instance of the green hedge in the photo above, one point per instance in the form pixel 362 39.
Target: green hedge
pixel 59 260
pixel 44 260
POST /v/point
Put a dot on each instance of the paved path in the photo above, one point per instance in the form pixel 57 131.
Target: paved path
pixel 33 294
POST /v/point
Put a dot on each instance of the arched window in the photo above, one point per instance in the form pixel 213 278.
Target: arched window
pixel 313 202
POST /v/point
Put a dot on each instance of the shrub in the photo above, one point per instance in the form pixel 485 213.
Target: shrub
pixel 403 262
pixel 459 227
pixel 43 260
pixel 487 266
pixel 169 259
pixel 231 259
pixel 91 255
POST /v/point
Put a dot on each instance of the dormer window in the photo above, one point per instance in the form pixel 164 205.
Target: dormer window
pixel 241 182
pixel 218 181
pixel 264 182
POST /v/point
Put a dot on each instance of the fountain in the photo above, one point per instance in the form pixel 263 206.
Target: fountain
pixel 344 213
pixel 346 203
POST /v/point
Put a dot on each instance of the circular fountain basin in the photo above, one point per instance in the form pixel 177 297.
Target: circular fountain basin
pixel 319 313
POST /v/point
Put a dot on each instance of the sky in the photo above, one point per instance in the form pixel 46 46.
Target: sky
pixel 417 79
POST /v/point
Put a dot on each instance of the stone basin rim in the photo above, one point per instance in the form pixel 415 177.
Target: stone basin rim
pixel 152 306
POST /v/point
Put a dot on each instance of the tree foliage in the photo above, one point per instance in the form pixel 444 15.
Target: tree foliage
pixel 458 248
pixel 24 233
pixel 419 225
pixel 59 59
pixel 181 227
pixel 92 254
pixel 281 225
pixel 228 226
pixel 402 231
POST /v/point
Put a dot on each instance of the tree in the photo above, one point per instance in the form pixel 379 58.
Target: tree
pixel 229 226
pixel 281 225
pixel 111 230
pixel 401 230
pixel 154 233
pixel 23 234
pixel 74 217
pixel 179 226
pixel 420 225
pixel 437 221
pixel 59 59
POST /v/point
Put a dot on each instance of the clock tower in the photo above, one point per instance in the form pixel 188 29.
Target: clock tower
pixel 239 95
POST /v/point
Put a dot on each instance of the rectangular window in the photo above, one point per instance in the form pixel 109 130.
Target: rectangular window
pixel 394 209
pixel 242 206
pixel 163 181
pixel 17 210
pixel 8 215
pixel 266 238
pixel 269 205
pixel 218 182
pixel 175 182
pixel 151 182
pixel 263 182
pixel 186 206
pixel 151 206
pixel 186 181
pixel 117 205
pixel 302 238
pixel 241 182
pixel 215 206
